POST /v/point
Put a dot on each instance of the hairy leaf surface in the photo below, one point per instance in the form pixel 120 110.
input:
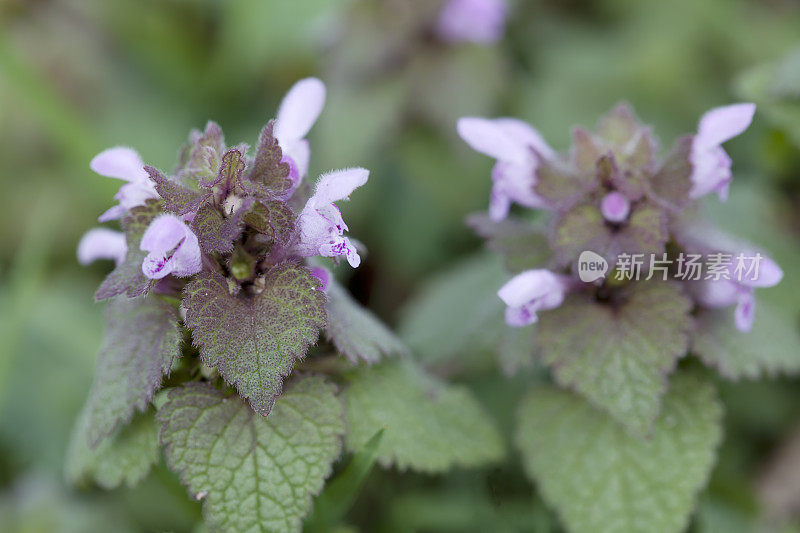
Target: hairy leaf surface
pixel 254 473
pixel 141 343
pixel 124 458
pixel 671 183
pixel 770 348
pixel 269 174
pixel 584 228
pixel 521 243
pixel 178 198
pixel 356 332
pixel 428 426
pixel 216 233
pixel 600 478
pixel 457 314
pixel 272 218
pixel 254 340
pixel 618 355
pixel 127 278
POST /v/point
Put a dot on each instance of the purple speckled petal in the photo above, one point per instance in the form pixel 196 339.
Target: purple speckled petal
pixel 173 248
pixel 745 312
pixel 102 243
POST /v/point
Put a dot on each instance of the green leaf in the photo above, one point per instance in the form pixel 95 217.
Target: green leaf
pixel 269 174
pixel 216 233
pixel 617 354
pixel 255 473
pixel 458 313
pixel 560 184
pixel 201 157
pixel 671 183
pixel 254 340
pixel 583 228
pixel 178 197
pixel 600 478
pixel 340 493
pixel 770 348
pixel 141 343
pixel 272 218
pixel 428 426
pixel 355 331
pixel 124 458
pixel 127 278
pixel 520 242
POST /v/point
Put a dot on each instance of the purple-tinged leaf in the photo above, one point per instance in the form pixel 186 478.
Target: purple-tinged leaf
pixel 584 228
pixel 230 172
pixel 215 232
pixel 178 198
pixel 141 343
pixel 522 244
pixel 269 174
pixel 618 353
pixel 200 159
pixel 561 185
pixel 253 473
pixel 672 181
pixel 272 218
pixel 620 126
pixel 254 339
pixel 127 278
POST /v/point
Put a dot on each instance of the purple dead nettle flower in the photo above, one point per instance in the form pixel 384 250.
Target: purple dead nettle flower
pixel 320 222
pixel 173 249
pixel 611 195
pixel 476 21
pixel 215 179
pixel 124 164
pixel 518 148
pixel 739 289
pixel 102 243
pixel 297 113
pixel 532 291
pixel 711 165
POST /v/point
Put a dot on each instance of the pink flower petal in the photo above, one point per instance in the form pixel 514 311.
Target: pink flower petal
pixel 526 134
pixel 173 248
pixel 102 243
pixel 299 110
pixel 723 123
pixel 490 138
pixel 338 185
pixel 119 162
pixel 745 312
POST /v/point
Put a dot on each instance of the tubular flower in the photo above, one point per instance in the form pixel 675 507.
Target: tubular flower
pixel 517 148
pixel 173 248
pixel 124 164
pixel 297 113
pixel 529 292
pixel 711 165
pixel 320 222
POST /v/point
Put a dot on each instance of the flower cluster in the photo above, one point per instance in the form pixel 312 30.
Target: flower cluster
pixel 225 210
pixel 612 195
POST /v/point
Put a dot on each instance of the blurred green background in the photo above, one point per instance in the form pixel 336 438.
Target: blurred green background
pixel 77 76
